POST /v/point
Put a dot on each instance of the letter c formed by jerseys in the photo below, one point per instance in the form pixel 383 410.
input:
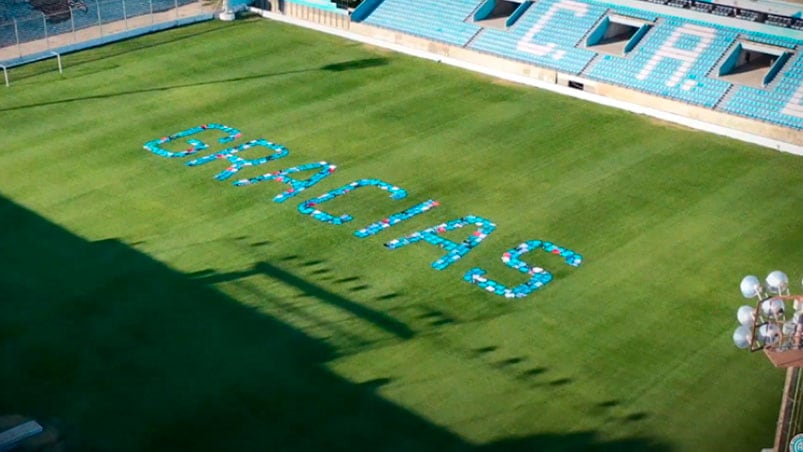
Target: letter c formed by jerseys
pixel 538 276
pixel 310 206
pixel 285 176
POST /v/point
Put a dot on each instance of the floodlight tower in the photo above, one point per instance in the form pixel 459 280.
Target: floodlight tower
pixel 768 326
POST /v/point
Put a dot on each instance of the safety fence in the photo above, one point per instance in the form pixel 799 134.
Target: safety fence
pixel 26 30
pixel 337 18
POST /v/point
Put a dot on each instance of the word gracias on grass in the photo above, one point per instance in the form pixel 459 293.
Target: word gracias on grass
pixel 538 277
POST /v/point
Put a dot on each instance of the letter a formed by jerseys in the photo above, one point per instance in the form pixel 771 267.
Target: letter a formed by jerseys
pixel 538 276
pixel 455 250
pixel 155 146
pixel 296 186
pixel 310 206
pixel 237 162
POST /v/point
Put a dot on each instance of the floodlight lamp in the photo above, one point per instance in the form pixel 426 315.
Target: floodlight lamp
pixel 789 328
pixel 773 307
pixel 746 315
pixel 769 333
pixel 750 286
pixel 742 337
pixel 777 281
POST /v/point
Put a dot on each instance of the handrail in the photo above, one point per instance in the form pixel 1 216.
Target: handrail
pixel 58 57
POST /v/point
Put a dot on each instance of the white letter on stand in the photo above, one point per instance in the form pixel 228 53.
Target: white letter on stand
pixel 687 58
pixel 525 45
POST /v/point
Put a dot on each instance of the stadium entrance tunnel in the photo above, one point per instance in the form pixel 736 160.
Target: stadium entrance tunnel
pixel 753 64
pixel 500 14
pixel 617 35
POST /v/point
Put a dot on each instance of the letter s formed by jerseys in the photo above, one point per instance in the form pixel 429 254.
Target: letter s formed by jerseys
pixel 155 146
pixel 538 276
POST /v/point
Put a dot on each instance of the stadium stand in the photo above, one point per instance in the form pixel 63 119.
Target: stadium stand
pixel 325 5
pixel 546 35
pixel 441 21
pixel 782 105
pixel 680 55
pixel 672 61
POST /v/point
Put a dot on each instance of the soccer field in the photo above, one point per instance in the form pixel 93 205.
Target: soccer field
pixel 145 305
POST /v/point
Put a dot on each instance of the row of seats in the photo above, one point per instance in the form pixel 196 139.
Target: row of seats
pixel 772 40
pixel 627 11
pixel 778 105
pixel 675 59
pixel 656 67
pixel 551 43
pixel 441 21
pixel 765 104
pixel 325 5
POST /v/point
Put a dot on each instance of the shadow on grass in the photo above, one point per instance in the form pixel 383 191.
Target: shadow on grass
pixel 574 442
pixel 126 46
pixel 355 64
pixel 346 65
pixel 123 353
pixel 377 318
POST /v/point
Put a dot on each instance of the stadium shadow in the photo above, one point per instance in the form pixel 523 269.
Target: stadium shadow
pixel 335 67
pixel 579 442
pixel 123 47
pixel 378 318
pixel 120 352
pixel 355 64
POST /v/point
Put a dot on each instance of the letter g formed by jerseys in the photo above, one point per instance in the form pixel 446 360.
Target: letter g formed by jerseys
pixel 155 146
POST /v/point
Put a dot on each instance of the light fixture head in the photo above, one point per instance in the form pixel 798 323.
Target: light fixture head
pixel 773 307
pixel 750 286
pixel 746 315
pixel 777 281
pixel 789 328
pixel 742 336
pixel 769 333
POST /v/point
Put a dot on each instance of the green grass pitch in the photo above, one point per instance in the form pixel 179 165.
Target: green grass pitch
pixel 146 306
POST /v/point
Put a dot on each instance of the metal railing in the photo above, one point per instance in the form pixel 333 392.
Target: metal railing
pixel 26 30
pixel 337 19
